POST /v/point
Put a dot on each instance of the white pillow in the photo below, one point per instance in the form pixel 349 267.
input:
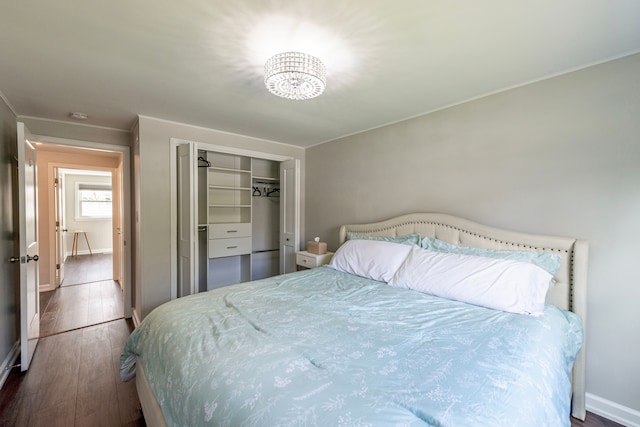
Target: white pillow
pixel 513 286
pixel 374 259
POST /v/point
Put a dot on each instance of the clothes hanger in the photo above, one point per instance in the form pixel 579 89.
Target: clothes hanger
pixel 202 159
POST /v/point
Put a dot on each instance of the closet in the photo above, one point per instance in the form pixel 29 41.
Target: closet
pixel 246 222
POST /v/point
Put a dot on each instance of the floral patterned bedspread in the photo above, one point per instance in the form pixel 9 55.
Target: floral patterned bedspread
pixel 325 348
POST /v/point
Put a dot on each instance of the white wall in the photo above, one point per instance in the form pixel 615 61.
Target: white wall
pixel 99 231
pixel 558 157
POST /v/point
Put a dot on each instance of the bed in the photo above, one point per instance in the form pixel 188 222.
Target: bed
pixel 329 347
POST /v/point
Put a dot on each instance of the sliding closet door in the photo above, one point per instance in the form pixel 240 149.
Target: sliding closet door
pixel 186 220
pixel 289 214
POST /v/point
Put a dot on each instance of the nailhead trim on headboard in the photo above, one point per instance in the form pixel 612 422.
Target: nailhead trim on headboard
pixel 508 243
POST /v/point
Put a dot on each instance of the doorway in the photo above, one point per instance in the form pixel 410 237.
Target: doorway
pixel 81 200
pixel 83 215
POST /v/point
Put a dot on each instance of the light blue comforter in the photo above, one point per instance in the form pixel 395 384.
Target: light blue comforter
pixel 325 348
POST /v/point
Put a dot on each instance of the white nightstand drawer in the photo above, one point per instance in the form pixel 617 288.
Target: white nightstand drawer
pixel 219 248
pixel 309 260
pixel 225 231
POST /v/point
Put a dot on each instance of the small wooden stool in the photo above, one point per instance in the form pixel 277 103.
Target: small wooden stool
pixel 74 245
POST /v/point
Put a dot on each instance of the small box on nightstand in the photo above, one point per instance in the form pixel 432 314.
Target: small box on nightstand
pixel 318 248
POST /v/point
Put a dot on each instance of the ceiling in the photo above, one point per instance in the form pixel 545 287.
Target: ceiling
pixel 201 61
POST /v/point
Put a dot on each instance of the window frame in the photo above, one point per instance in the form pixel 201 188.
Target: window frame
pixel 99 186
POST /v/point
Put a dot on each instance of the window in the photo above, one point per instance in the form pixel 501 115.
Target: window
pixel 94 201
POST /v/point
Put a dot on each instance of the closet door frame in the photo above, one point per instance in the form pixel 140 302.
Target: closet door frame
pixel 175 142
pixel 187 234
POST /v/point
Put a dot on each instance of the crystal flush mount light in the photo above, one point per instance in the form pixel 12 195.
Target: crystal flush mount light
pixel 295 75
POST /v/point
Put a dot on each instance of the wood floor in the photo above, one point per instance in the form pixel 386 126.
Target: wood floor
pixel 74 381
pixel 74 378
pixel 593 420
pixel 88 297
pixel 87 268
pixel 77 306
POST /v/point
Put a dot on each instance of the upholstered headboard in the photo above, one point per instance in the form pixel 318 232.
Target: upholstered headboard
pixel 568 289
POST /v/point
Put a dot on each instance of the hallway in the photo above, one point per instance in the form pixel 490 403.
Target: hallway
pixel 87 297
pixel 74 376
pixel 88 268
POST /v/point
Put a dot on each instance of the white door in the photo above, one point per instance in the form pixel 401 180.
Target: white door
pixel 64 241
pixel 59 225
pixel 289 214
pixel 117 221
pixel 28 232
pixel 187 226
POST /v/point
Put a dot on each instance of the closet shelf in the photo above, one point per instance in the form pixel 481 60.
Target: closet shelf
pixel 229 187
pixel 216 168
pixel 265 180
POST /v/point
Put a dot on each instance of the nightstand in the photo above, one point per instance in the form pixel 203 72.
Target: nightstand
pixel 308 260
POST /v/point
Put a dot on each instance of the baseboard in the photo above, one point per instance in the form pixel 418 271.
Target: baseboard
pixel 9 361
pixel 613 411
pixel 46 287
pixel 86 252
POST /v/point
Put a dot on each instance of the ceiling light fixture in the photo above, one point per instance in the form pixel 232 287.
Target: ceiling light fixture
pixel 295 75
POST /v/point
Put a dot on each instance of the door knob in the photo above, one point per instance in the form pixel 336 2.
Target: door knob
pixel 14 259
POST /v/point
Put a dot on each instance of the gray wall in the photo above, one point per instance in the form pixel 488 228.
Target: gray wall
pixel 560 157
pixel 152 188
pixel 9 273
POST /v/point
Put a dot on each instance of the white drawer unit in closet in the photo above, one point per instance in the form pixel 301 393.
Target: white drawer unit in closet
pixel 229 239
pixel 219 248
pixel 225 231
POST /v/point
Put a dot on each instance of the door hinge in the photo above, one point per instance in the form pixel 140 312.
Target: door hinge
pixel 57 266
pixel 55 181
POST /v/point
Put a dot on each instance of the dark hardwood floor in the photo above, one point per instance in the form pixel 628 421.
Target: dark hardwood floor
pixel 77 306
pixel 87 268
pixel 73 381
pixel 593 420
pixel 88 296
